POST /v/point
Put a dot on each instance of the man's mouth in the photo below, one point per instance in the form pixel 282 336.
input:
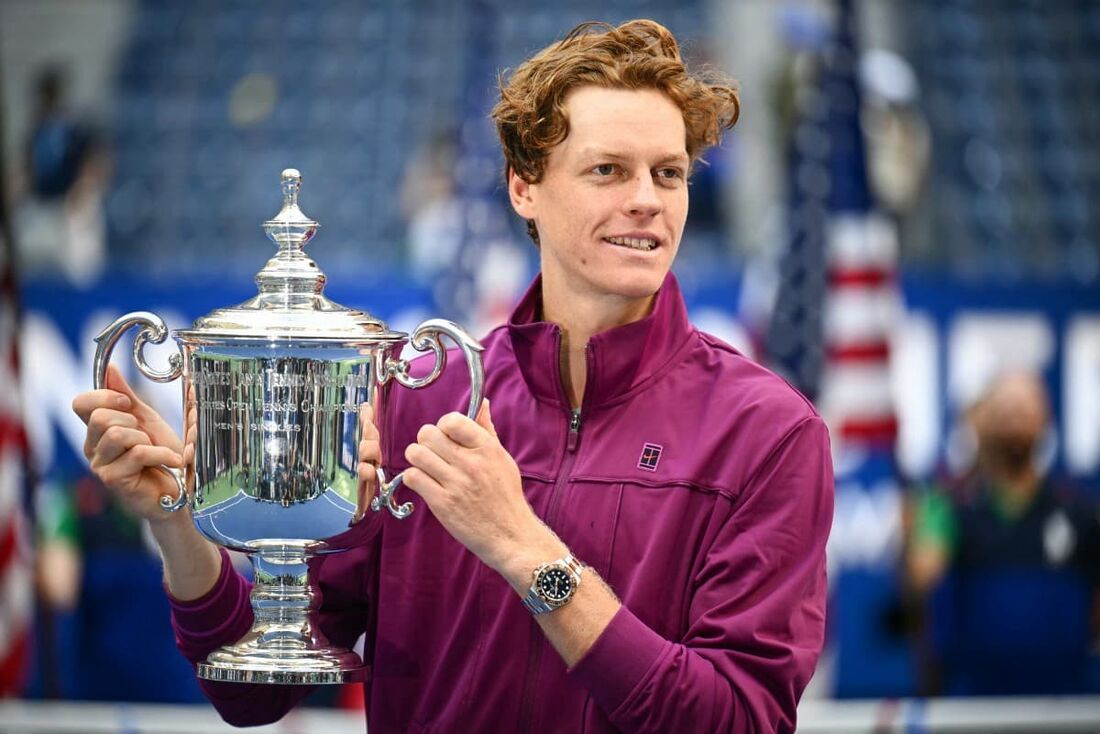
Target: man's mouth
pixel 635 243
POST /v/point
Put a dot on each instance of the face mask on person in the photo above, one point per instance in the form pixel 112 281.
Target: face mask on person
pixel 1009 452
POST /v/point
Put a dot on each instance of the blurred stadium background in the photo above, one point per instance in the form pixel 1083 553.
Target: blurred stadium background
pixel 906 209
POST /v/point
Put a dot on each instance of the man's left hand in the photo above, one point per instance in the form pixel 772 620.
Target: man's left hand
pixel 473 487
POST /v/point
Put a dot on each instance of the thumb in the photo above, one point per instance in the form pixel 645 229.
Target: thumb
pixel 116 382
pixel 485 418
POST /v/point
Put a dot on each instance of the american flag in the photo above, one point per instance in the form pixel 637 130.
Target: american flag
pixel 837 302
pixel 837 307
pixel 15 560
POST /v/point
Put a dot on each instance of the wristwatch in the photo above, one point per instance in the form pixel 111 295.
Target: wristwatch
pixel 554 585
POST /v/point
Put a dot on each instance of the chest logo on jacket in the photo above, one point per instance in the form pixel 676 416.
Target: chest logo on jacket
pixel 651 456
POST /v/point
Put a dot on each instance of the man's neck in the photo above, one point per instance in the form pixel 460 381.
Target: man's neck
pixel 579 320
pixel 1015 490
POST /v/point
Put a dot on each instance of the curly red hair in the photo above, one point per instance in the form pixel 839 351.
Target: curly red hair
pixel 639 54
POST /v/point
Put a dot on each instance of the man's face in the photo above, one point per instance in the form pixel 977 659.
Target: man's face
pixel 611 206
pixel 1010 420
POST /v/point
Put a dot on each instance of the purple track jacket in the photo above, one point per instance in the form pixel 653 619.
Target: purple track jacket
pixel 696 483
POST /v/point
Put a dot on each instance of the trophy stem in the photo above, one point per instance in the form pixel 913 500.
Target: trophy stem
pixel 285 644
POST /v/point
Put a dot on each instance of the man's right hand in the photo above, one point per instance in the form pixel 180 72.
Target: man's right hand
pixel 126 441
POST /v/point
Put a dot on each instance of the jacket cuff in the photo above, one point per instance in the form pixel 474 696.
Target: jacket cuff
pixel 211 618
pixel 619 660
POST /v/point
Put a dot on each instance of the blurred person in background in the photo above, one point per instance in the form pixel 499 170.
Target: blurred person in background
pixel 60 221
pixel 97 578
pixel 457 244
pixel 1007 565
pixel 693 486
pixel 431 207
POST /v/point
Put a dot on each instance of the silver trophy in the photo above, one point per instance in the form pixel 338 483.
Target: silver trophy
pixel 272 389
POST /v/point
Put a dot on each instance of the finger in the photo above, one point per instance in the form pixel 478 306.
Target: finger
pixel 190 415
pixel 99 422
pixel 368 481
pixel 370 450
pixel 367 428
pixel 431 464
pixel 147 456
pixel 485 418
pixel 463 431
pixel 423 484
pixel 139 457
pixel 117 382
pixel 88 402
pixel 138 460
pixel 117 440
pixel 433 438
pixel 366 471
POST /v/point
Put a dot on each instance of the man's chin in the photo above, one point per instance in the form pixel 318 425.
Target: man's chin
pixel 639 287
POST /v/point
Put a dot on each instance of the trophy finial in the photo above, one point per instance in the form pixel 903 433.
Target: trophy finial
pixel 291 301
pixel 291 269
pixel 290 227
pixel 292 183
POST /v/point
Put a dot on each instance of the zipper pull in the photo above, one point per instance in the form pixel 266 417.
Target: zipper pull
pixel 574 430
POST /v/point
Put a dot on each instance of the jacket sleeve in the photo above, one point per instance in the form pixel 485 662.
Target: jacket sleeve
pixel 757 612
pixel 224 615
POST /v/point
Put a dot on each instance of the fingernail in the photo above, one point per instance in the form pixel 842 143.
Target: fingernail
pixel 123 401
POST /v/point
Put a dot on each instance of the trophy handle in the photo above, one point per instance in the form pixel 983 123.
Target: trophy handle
pixel 153 330
pixel 427 337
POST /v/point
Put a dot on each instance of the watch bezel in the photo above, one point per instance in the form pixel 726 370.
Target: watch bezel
pixel 546 574
pixel 538 600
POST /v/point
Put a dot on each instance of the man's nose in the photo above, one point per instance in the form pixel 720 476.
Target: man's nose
pixel 643 198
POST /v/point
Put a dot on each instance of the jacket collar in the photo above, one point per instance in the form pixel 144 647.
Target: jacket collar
pixel 620 360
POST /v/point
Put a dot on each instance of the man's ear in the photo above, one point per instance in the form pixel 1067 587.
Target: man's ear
pixel 519 192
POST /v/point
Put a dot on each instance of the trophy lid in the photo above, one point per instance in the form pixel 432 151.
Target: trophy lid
pixel 290 303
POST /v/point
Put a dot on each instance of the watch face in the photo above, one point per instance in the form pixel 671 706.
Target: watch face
pixel 555 585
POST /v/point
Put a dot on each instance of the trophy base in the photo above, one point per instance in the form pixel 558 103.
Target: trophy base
pixel 285 645
pixel 248 663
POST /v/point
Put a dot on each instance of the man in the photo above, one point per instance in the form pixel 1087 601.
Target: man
pixel 1010 566
pixel 690 488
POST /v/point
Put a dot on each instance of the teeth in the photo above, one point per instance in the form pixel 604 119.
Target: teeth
pixel 636 243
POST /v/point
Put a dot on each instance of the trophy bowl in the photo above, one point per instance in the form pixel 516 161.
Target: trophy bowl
pixel 272 390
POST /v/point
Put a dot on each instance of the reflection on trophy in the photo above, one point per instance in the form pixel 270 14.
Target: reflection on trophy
pixel 272 389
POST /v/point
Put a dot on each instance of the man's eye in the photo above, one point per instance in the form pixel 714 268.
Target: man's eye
pixel 670 174
pixel 604 169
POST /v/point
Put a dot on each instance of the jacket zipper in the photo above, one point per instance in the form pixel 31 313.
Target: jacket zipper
pixel 574 431
pixel 534 657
